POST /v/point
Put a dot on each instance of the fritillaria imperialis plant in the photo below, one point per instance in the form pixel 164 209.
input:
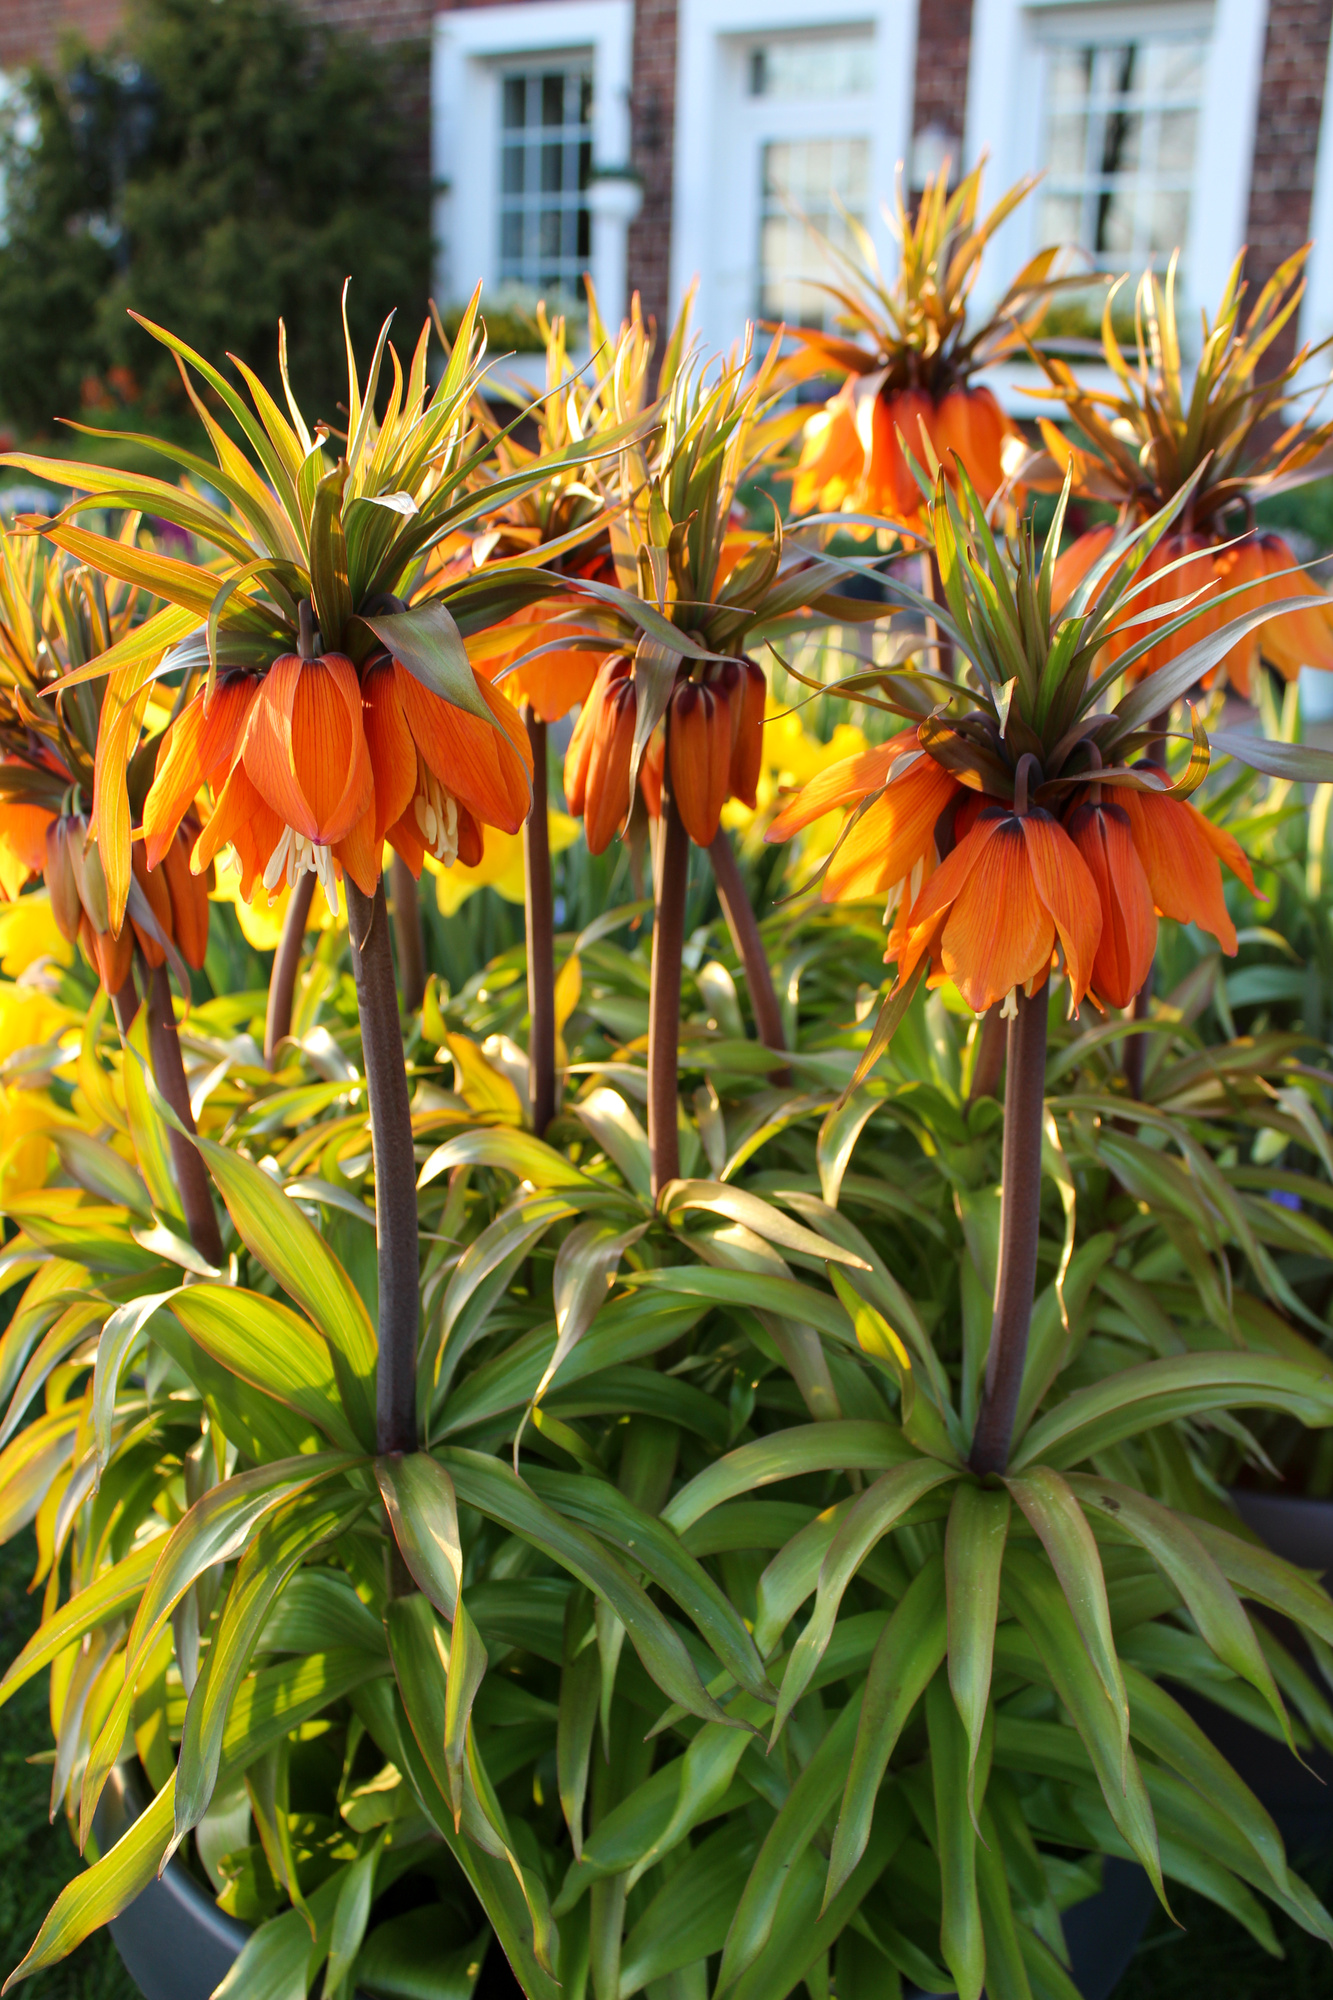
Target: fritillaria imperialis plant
pixel 908 356
pixel 1221 431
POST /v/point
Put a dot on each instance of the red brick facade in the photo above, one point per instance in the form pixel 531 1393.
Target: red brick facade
pixel 31 30
pixel 943 46
pixel 652 124
pixel 1291 104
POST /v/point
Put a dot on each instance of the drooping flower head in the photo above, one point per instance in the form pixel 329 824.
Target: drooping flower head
pixel 1236 437
pixel 907 358
pixel 55 616
pixel 680 704
pixel 336 705
pixel 1017 830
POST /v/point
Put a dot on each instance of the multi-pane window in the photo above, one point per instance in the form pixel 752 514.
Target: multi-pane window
pixel 1121 128
pixel 545 166
pixel 808 181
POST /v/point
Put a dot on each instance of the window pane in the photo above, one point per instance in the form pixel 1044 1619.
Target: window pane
pixel 545 167
pixel 812 66
pixel 1120 129
pixel 824 181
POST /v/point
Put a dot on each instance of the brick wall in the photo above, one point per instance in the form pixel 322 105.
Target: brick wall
pixel 652 126
pixel 943 47
pixel 1291 102
pixel 31 30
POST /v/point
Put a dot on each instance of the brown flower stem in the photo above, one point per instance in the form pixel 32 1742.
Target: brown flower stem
pixel 1020 1212
pixel 990 1056
pixel 749 945
pixel 664 993
pixel 407 934
pixel 395 1170
pixel 169 1074
pixel 125 1004
pixel 540 922
pixel 286 965
pixel 1136 1046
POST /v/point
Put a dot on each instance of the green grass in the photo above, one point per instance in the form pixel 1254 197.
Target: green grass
pixel 36 1858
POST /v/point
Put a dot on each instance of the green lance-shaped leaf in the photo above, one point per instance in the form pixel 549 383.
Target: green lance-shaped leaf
pixel 284 1540
pixel 901 1669
pixel 792 1575
pixel 216 1528
pixel 806 1807
pixel 1179 1553
pixel 148 1128
pixel 974 1545
pixel 1160 1723
pixel 120 1337
pixel 706 1772
pixel 284 1955
pixel 1136 1399
pixel 274 1231
pixel 270 1704
pixel 481 1276
pixel 1256 1572
pixel 576 1724
pixel 72 1330
pixel 104 1890
pixel 518 1153
pixel 423 1512
pixel 108 1597
pixel 492 1488
pixel 652 1546
pixel 766 1220
pixel 585 1268
pixel 1062 1527
pixel 1040 1605
pixel 961 1941
pixel 269 1346
pixel 426 640
pixel 1006 1972
pixel 351 1914
pixel 867 1521
pixel 842 1445
pixel 687 1919
pixel 102 1170
pixel 30 1462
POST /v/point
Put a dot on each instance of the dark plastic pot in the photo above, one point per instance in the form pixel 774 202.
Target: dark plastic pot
pixel 1298 1795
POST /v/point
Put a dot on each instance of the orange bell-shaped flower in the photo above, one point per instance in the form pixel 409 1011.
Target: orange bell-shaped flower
pixel 1124 956
pixel 992 913
pixel 699 751
pixel 1182 852
pixel 597 761
pixel 22 840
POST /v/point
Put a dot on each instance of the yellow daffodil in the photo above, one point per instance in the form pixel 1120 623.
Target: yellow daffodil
pixel 29 933
pixel 29 1018
pixel 500 867
pixel 26 1153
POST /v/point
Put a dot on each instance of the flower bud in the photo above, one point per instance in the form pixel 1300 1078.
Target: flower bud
pixel 747 750
pixel 608 766
pixel 700 750
pixel 61 884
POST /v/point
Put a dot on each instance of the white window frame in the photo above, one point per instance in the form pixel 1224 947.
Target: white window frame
pixel 470 49
pixel 701 208
pixel 1003 121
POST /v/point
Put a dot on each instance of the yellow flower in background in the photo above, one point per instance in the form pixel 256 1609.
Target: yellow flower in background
pixel 29 1018
pixel 261 921
pixel 500 867
pixel 26 1153
pixel 791 757
pixel 29 932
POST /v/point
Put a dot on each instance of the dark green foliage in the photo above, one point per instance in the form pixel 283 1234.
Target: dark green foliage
pixel 224 167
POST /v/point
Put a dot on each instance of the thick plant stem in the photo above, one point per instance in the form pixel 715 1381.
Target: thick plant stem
pixel 1020 1212
pixel 744 928
pixel 990 1056
pixel 125 1004
pixel 286 965
pixel 540 923
pixel 664 995
pixel 395 1170
pixel 407 934
pixel 1136 1046
pixel 169 1072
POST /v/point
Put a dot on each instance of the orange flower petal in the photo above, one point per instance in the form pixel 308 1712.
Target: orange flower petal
pixel 695 745
pixel 393 754
pixel 1180 853
pixel 478 765
pixel 608 798
pixel 892 835
pixel 1060 876
pixel 22 845
pixel 189 901
pixel 999 933
pixel 199 748
pixel 923 922
pixel 1129 928
pixel 244 819
pixel 844 783
pixel 360 852
pixel 305 746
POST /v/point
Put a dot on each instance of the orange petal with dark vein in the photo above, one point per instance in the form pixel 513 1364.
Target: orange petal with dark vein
pixel 1129 928
pixel 475 763
pixel 1066 889
pixel 360 853
pixel 999 933
pixel 1180 859
pixel 393 754
pixel 899 827
pixel 924 920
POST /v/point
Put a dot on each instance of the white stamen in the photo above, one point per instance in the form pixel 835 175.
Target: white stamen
pixel 1009 1011
pixel 436 814
pixel 295 856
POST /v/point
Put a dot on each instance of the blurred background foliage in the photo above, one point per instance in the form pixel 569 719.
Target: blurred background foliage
pixel 216 168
